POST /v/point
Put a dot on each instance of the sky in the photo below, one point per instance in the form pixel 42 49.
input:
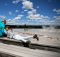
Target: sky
pixel 30 12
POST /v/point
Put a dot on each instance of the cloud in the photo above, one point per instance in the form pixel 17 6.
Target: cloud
pixel 15 1
pixel 17 11
pixel 27 5
pixel 2 17
pixel 18 17
pixel 37 6
pixel 57 20
pixel 10 13
pixel 57 11
pixel 14 20
pixel 56 17
pixel 34 15
pixel 25 10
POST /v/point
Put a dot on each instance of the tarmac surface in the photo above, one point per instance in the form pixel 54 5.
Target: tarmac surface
pixel 18 51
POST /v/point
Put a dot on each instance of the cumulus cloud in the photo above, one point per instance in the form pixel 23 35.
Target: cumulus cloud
pixel 2 17
pixel 18 17
pixel 17 11
pixel 10 13
pixel 37 6
pixel 57 11
pixel 34 15
pixel 15 1
pixel 25 10
pixel 56 17
pixel 57 20
pixel 27 5
pixel 14 20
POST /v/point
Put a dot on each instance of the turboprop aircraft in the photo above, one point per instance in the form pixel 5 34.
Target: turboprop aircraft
pixel 26 40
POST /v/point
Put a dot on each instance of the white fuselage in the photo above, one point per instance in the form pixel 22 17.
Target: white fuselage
pixel 17 36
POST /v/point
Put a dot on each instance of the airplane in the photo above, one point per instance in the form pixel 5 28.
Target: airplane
pixel 26 40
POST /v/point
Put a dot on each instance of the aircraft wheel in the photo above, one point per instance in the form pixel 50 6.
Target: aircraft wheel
pixel 27 44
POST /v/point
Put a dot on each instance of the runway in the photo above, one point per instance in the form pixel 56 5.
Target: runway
pixel 18 51
pixel 31 46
